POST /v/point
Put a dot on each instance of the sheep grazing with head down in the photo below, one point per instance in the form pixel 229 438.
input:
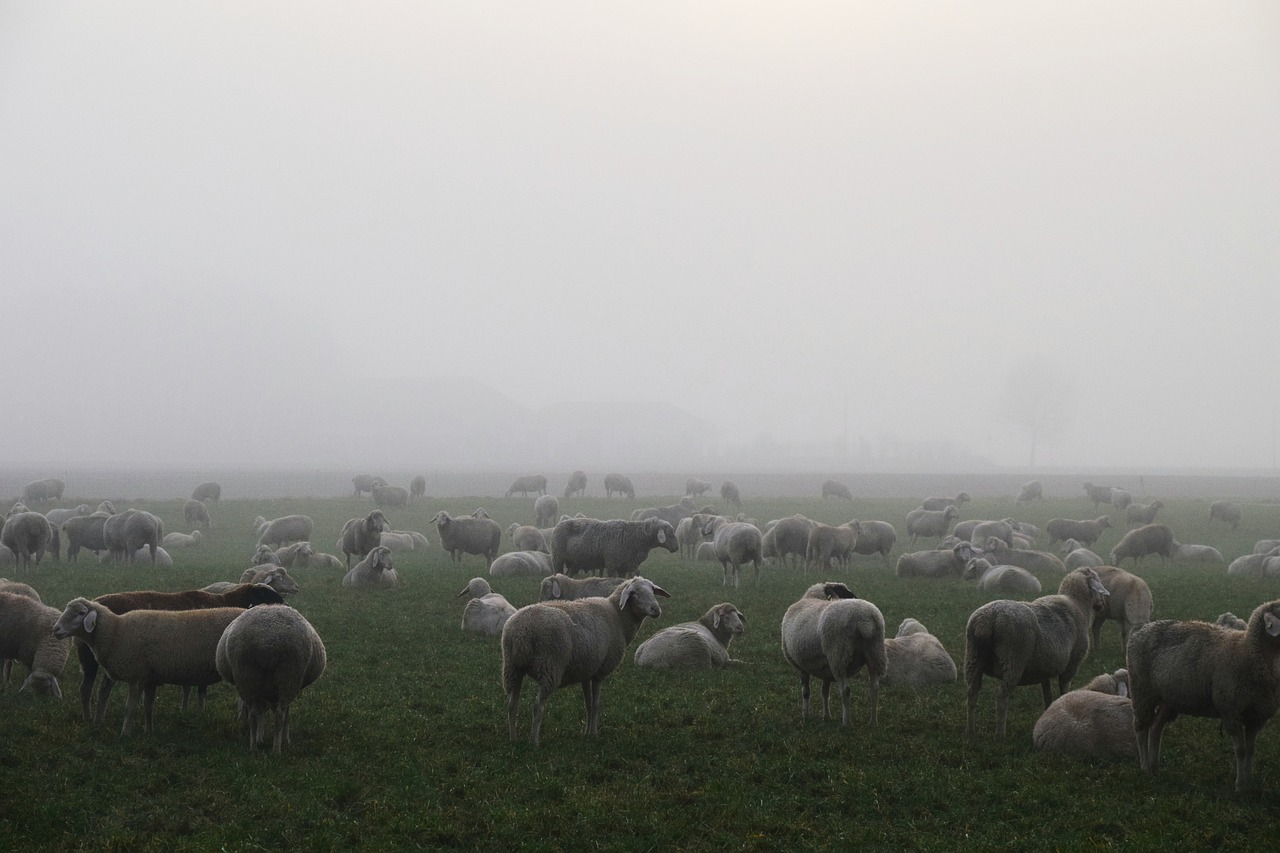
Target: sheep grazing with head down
pixel 1030 642
pixel 694 645
pixel 1093 722
pixel 1142 513
pixel 1129 603
pixel 196 514
pixel 365 483
pixel 530 483
pixel 916 658
pixel 1225 511
pixel 209 491
pixel 836 489
pixel 929 522
pixel 486 611
pixel 362 535
pixel 558 643
pixel 389 497
pixel 577 485
pixel 874 537
pixel 545 511
pixel 26 636
pixel 936 504
pixel 1143 541
pixel 695 488
pixel 469 535
pixel 1030 491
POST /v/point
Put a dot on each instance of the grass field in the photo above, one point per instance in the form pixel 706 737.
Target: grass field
pixel 403 744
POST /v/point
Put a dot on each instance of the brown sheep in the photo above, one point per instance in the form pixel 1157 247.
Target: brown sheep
pixel 1141 541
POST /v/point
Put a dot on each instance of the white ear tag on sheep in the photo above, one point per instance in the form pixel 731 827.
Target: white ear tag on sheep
pixel 1124 690
pixel 1272 624
pixel 662 537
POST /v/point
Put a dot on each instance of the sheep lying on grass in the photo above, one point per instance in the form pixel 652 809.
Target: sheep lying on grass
pixel 916 658
pixel 694 645
pixel 528 563
pixel 375 571
pixel 1009 579
pixel 560 587
pixel 1093 722
pixel 486 611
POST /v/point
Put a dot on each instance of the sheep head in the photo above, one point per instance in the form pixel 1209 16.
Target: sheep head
pixel 42 683
pixel 78 619
pixel 640 593
pixel 664 533
pixel 1097 591
pixel 837 590
pixel 729 616
pixel 476 588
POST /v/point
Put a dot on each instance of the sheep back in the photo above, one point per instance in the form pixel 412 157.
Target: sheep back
pixel 614 547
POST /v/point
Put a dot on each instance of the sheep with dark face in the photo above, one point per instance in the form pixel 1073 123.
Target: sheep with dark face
pixel 616 548
pixel 530 483
pixel 362 535
pixel 577 485
pixel 619 483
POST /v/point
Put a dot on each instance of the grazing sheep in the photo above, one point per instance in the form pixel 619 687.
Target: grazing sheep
pixel 210 491
pixel 17 588
pixel 936 564
pixel 175 540
pixel 390 496
pixel 694 645
pixel 137 529
pixel 577 485
pixel 1021 642
pixel 560 587
pixel 1204 670
pixel 517 563
pixel 362 535
pixel 27 534
pixel 729 493
pixel 1121 499
pixel 831 633
pixel 26 636
pixel 417 487
pixel 1030 491
pixel 928 522
pixel 874 537
pixel 1141 541
pixel 43 490
pixel 939 504
pixel 1014 580
pixel 525 485
pixel 1142 513
pixel 836 489
pixel 558 643
pixel 196 514
pixel 286 529
pixel 526 538
pixel 487 611
pixel 1197 553
pixel 106 507
pixel 1098 494
pixel 916 658
pixel 545 511
pixel 469 535
pixel 1085 532
pixel 365 483
pixel 375 571
pixel 618 483
pixel 58 517
pixel 616 548
pixel 1093 722
pixel 1232 621
pixel 1032 561
pixel 263 556
pixel 269 654
pixel 789 537
pixel 828 542
pixel 735 543
pixel 693 487
pixel 1225 511
pixel 1129 603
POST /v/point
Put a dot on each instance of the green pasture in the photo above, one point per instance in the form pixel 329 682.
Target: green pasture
pixel 402 744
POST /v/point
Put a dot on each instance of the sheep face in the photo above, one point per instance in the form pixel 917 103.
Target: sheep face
pixel 640 594
pixel 77 620
pixel 381 558
pixel 664 533
pixel 1099 592
pixel 731 619
pixel 42 684
pixel 837 590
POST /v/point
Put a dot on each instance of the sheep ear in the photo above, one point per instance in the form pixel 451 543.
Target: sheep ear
pixel 90 620
pixel 1272 623
pixel 657 590
pixel 1124 689
pixel 555 589
pixel 625 597
pixel 715 621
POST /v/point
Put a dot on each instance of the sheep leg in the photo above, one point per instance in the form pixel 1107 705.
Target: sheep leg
pixel 7 671
pixel 1046 690
pixel 974 675
pixel 593 704
pixel 1098 619
pixel 202 693
pixel 282 727
pixel 104 693
pixel 804 696
pixel 513 706
pixel 874 695
pixel 88 674
pixel 826 699
pixel 545 689
pixel 1004 692
pixel 135 693
pixel 1163 717
pixel 149 700
pixel 842 685
pixel 186 696
pixel 1242 740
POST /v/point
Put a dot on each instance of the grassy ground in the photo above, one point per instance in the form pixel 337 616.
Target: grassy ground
pixel 403 742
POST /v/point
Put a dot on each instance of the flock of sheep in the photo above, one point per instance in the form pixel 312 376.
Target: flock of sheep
pixel 579 631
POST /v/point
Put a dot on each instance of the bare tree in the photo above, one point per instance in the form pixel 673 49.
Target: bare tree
pixel 1040 400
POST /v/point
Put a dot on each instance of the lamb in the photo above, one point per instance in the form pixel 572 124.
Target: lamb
pixel 487 611
pixel 25 636
pixel 1129 603
pixel 40 491
pixel 1093 722
pixel 196 514
pixel 210 491
pixel 616 548
pixel 939 504
pixel 1032 561
pixel 1141 541
pixel 376 571
pixel 694 645
pixel 269 654
pixel 1098 494
pixel 516 563
pixel 789 537
pixel 1086 532
pixel 1032 642
pixel 1197 553
pixel 525 485
pixel 927 522
pixel 689 535
pixel 526 538
pixel 836 489
pixel 26 534
pixel 1078 555
pixel 147 648
pixel 1121 499
pixel 729 493
pixel 827 542
pixel 469 535
pixel 694 488
pixel 936 564
pixel 1009 579
pixel 362 535
pixel 1225 511
pixel 417 487
pixel 1205 671
pixel 559 587
pixel 1142 513
pixel 916 658
pixel 831 633
pixel 1030 491
pixel 286 529
pixel 318 560
pixel 175 540
pixel 577 485
pixel 874 537
pixel 390 496
pixel 545 511
pixel 276 577
pixel 735 543
pixel 558 643
pixel 57 517
pixel 365 483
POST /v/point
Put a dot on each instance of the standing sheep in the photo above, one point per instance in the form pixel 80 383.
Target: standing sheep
pixel 269 654
pixel 362 535
pixel 788 537
pixel 1141 541
pixel 469 535
pixel 729 493
pixel 916 658
pixel 176 540
pixel 1030 491
pixel 930 522
pixel 1085 532
pixel 618 483
pixel 938 504
pixel 558 643
pixel 735 543
pixel 26 635
pixel 1098 494
pixel 694 488
pixel 196 514
pixel 1142 513
pixel 577 485
pixel 486 611
pixel 417 487
pixel 1225 511
pixel 389 497
pixel 1121 499
pixel 365 483
pixel 1129 603
pixel 26 534
pixel 874 537
pixel 616 548
pixel 375 571
pixel 525 485
pixel 207 492
pixel 836 489
pixel 827 542
pixel 286 529
pixel 43 490
pixel 694 645
pixel 526 538
pixel 546 509
pixel 59 516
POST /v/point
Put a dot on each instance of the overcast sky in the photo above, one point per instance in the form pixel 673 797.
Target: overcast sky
pixel 216 216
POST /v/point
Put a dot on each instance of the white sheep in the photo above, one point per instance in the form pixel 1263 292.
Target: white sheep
pixel 375 571
pixel 269 653
pixel 1256 565
pixel 735 543
pixel 1011 579
pixel 276 577
pixel 487 611
pixel 1093 722
pixel 175 540
pixel 1129 603
pixel 527 563
pixel 916 658
pixel 1078 556
pixel 831 634
pixel 525 537
pixel 560 587
pixel 558 643
pixel 396 542
pixel 1197 553
pixel 163 559
pixel 694 645
pixel 26 636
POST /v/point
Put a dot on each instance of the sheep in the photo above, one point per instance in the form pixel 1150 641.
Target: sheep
pixel 616 548
pixel 487 611
pixel 286 529
pixel 528 563
pixel 706 552
pixel 927 522
pixel 207 492
pixel 545 510
pixel 1086 532
pixel 362 535
pixel 390 496
pixel 916 658
pixel 365 483
pixel 577 485
pixel 827 542
pixel 163 560
pixel 1009 579
pixel 558 643
pixel 396 542
pixel 25 636
pixel 1023 642
pixel 1197 553
pixel 1205 671
pixel 106 507
pixel 935 564
pixel 137 529
pixel 1264 546
pixel 60 516
pixel 259 524
pixel 560 587
pixel 318 560
pixel 1030 491
pixel 1142 513
pixel 836 489
pixel 269 654
pixel 417 487
pixel 729 493
pixel 196 514
pixel 939 504
pixel 831 633
pixel 1225 511
pixel 789 537
pixel 530 483
pixel 26 534
pixel 1077 555
pixel 1098 494
pixel 299 553
pixel 43 490
pixel 874 537
pixel 1256 565
pixel 689 535
pixel 147 648
pixel 619 483
pixel 1232 621
pixel 175 540
pixel 468 535
pixel 264 555
pixel 1141 541
pixel 480 512
pixel 1032 561
pixel 526 538
pixel 984 530
pixel 1093 722
pixel 672 513
pixel 276 577
pixel 694 645
pixel 1121 499
pixel 17 588
pixel 376 570
pixel 693 487
pixel 420 541
pixel 1129 603
pixel 735 543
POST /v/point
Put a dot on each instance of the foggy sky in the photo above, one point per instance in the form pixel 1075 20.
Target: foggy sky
pixel 234 232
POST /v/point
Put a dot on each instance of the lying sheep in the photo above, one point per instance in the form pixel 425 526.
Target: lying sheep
pixel 577 485
pixel 1078 556
pixel 545 510
pixel 289 528
pixel 1030 491
pixel 469 535
pixel 916 658
pixel 1256 565
pixel 1093 722
pixel 269 654
pixel 836 489
pixel 560 587
pixel 27 535
pixel 1197 553
pixel 1203 670
pixel 694 645
pixel 375 571
pixel 936 564
pixel 264 555
pixel 26 636
pixel 939 504
pixel 831 634
pixel 176 540
pixel 417 487
pixel 1142 541
pixel 1086 532
pixel 196 514
pixel 526 563
pixel 388 497
pixel 163 560
pixel 207 492
pixel 735 543
pixel 396 542
pixel 1225 511
pixel 276 577
pixel 1010 579
pixel 874 537
pixel 984 530
pixel 672 513
pixel 1032 561
pixel 619 483
pixel 527 538
pixel 297 554
pixel 1032 642
pixel 362 535
pixel 525 485
pixel 486 611
pixel 558 643
pixel 930 523
pixel 1142 513
pixel 616 548
pixel 1265 546
pixel 1129 603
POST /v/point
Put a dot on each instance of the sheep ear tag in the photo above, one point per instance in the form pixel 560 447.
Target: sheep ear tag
pixel 1272 623
pixel 662 537
pixel 90 621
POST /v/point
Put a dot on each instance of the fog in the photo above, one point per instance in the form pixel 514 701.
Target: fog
pixel 700 236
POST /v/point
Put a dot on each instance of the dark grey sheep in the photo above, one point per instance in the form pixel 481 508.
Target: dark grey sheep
pixel 84 531
pixel 1141 541
pixel 362 535
pixel 469 535
pixel 577 485
pixel 729 493
pixel 616 548
pixel 418 486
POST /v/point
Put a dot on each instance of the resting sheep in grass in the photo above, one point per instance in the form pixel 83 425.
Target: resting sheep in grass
pixel 936 564
pixel 1225 511
pixel 1078 555
pixel 558 643
pixel 560 587
pixel 1204 670
pixel 175 540
pixel 469 535
pixel 1197 553
pixel 26 636
pixel 276 577
pixel 694 645
pixel 916 658
pixel 1013 580
pixel 1093 722
pixel 616 548
pixel 292 555
pixel 577 485
pixel 836 489
pixel 930 523
pixel 1032 561
pixel 545 511
pixel 1142 541
pixel 269 654
pixel 264 555
pixel 397 542
pixel 287 529
pixel 375 571
pixel 521 563
pixel 1232 621
pixel 527 538
pixel 735 543
pixel 196 514
pixel 1256 565
pixel 362 535
pixel 486 611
